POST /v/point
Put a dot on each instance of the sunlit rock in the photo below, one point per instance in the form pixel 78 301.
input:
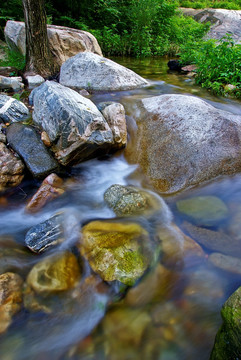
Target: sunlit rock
pixel 222 21
pixel 55 273
pixel 225 262
pixel 93 72
pixel 116 251
pixel 204 210
pixel 178 249
pixel 114 113
pixel 76 128
pixel 130 200
pixel 227 342
pixel 11 168
pixel 14 83
pixel 12 110
pixel 51 188
pixel 64 42
pixel 10 298
pixel 34 81
pixel 214 240
pixel 183 141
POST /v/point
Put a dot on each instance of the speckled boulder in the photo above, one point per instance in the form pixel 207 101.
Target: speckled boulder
pixel 116 251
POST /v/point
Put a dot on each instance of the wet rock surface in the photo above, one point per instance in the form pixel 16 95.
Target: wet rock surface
pixel 204 210
pixel 11 168
pixel 116 251
pixel 129 200
pixel 27 143
pixel 214 240
pixel 64 42
pixel 56 273
pixel 227 342
pixel 225 262
pixel 12 110
pixel 51 188
pixel 183 141
pixel 74 125
pixel 10 298
pixel 93 72
pixel 47 234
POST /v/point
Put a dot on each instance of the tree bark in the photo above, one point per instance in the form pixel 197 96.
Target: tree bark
pixel 39 59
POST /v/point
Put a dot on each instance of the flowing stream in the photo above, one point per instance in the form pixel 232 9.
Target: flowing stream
pixel 174 314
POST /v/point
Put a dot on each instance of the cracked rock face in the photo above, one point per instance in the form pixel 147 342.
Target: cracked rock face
pixel 94 72
pixel 182 141
pixel 76 128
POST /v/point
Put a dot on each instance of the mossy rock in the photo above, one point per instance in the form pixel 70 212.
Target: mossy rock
pixel 227 343
pixel 116 251
pixel 54 274
pixel 204 210
pixel 129 200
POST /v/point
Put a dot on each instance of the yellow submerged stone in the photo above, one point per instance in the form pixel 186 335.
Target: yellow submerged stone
pixel 116 251
pixel 55 273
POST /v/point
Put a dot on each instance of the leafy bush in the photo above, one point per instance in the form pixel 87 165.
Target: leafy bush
pixel 218 63
pixel 217 4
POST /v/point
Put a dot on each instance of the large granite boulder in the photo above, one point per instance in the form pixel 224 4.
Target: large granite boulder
pixel 12 110
pixel 11 168
pixel 183 141
pixel 64 42
pixel 75 127
pixel 27 143
pixel 93 72
pixel 222 22
pixel 227 342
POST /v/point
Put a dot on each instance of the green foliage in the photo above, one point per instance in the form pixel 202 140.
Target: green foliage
pixel 218 63
pixel 217 4
pixel 13 59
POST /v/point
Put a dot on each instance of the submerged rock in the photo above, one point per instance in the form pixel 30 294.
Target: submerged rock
pixel 204 210
pixel 55 273
pixel 182 141
pixel 47 234
pixel 12 110
pixel 225 262
pixel 10 298
pixel 227 342
pixel 94 72
pixel 64 42
pixel 11 168
pixel 51 188
pixel 75 127
pixel 116 251
pixel 214 240
pixel 27 143
pixel 129 200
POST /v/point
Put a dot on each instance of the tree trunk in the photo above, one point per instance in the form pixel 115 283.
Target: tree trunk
pixel 39 59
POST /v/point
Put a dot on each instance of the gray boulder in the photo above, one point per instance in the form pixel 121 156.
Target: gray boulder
pixel 222 22
pixel 64 42
pixel 75 127
pixel 27 143
pixel 93 72
pixel 14 83
pixel 12 110
pixel 182 141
